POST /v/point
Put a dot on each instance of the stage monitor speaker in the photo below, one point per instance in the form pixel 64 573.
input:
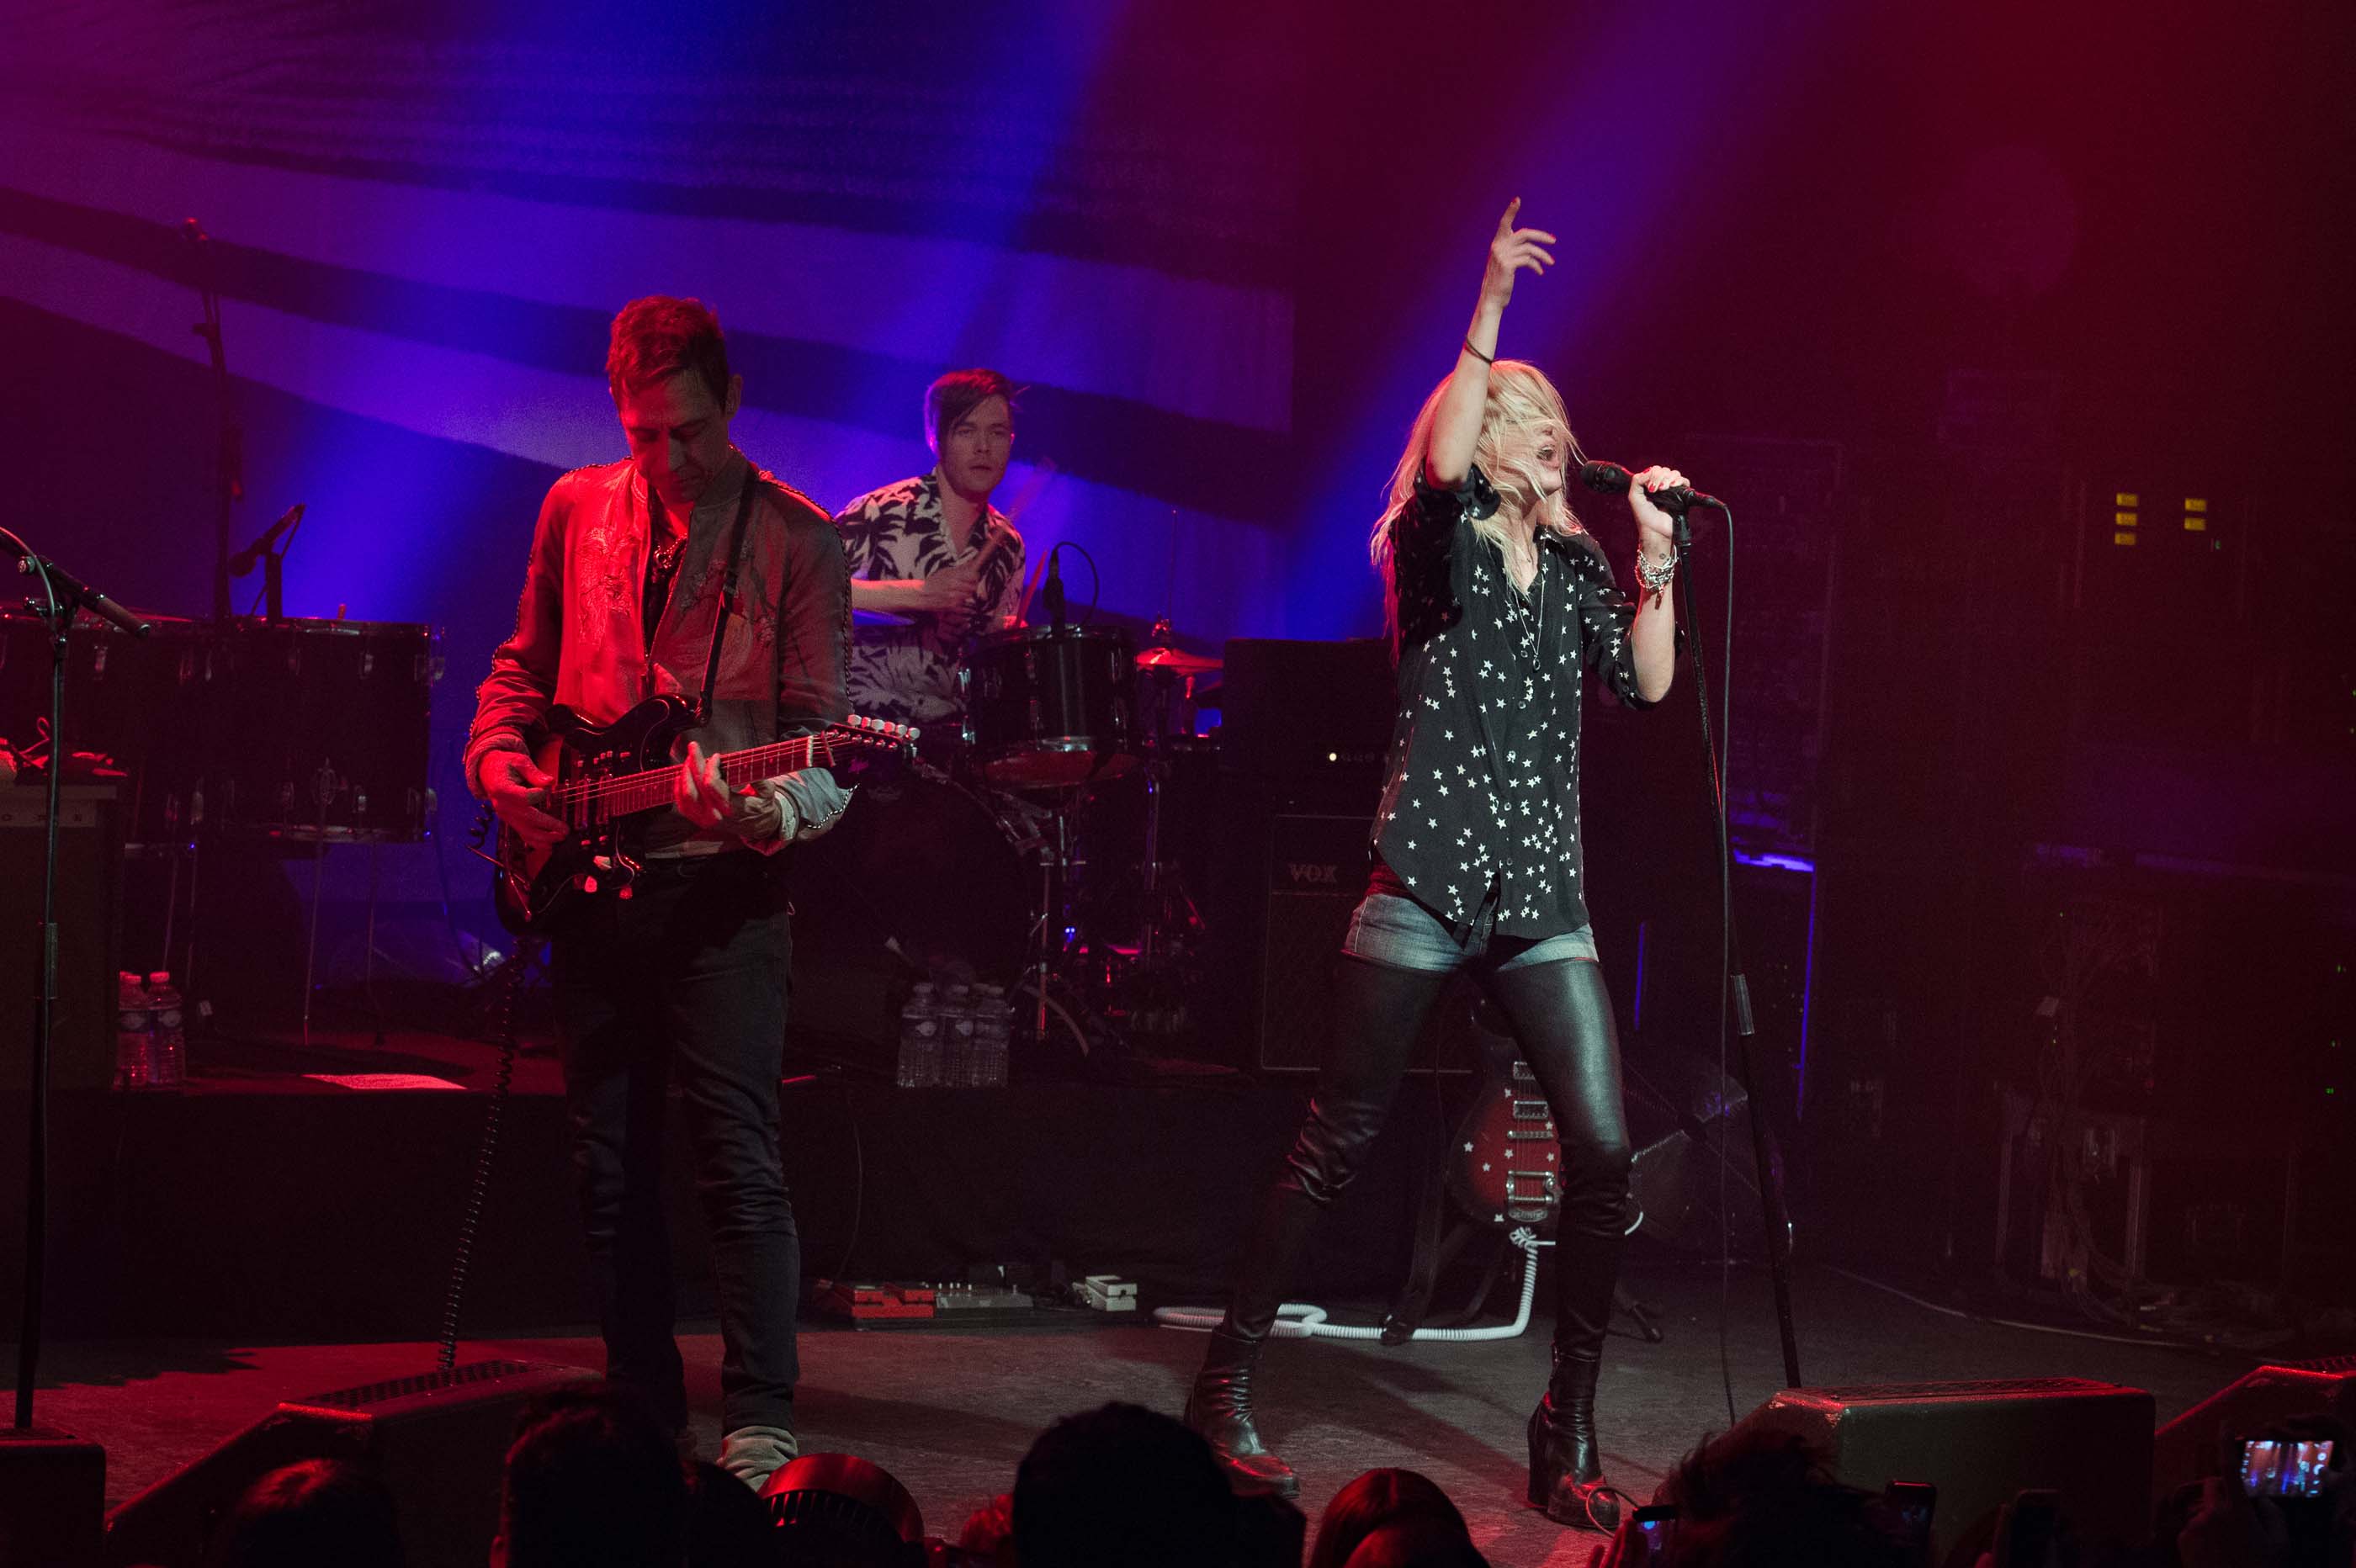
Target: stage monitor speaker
pixel 439 1440
pixel 2188 1448
pixel 1311 878
pixel 52 1498
pixel 1679 1106
pixel 90 870
pixel 1981 1444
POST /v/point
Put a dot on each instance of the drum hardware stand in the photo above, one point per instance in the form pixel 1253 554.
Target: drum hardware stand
pixel 270 549
pixel 229 472
pixel 324 787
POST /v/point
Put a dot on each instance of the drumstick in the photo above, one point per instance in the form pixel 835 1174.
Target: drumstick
pixel 1042 473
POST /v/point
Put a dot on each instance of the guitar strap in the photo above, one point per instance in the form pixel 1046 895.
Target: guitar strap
pixel 735 547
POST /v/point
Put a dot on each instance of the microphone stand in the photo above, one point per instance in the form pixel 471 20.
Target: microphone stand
pixel 1734 987
pixel 61 595
pixel 270 548
pixel 228 461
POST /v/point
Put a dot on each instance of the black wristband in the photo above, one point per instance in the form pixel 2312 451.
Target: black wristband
pixel 1484 358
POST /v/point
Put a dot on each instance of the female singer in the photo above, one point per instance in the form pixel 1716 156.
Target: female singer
pixel 1499 602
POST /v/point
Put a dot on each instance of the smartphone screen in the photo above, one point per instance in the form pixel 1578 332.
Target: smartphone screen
pixel 1913 1503
pixel 2282 1467
pixel 1655 1525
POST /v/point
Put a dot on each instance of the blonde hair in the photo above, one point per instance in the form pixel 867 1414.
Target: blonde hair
pixel 1520 398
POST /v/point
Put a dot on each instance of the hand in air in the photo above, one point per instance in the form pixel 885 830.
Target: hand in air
pixel 705 799
pixel 517 790
pixel 1511 250
pixel 1656 529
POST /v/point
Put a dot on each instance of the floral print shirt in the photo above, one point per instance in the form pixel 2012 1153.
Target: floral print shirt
pixel 909 673
pixel 1480 801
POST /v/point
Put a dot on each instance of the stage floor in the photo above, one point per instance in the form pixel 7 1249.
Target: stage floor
pixel 950 1414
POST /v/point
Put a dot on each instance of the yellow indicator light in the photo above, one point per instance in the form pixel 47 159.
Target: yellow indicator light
pixel 2194 504
pixel 2126 499
pixel 2123 519
pixel 2122 538
pixel 2196 525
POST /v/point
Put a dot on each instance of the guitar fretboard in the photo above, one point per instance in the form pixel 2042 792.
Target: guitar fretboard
pixel 602 800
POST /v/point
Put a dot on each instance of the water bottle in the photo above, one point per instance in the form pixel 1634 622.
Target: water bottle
pixel 167 1041
pixel 920 1041
pixel 133 1017
pixel 957 1021
pixel 992 1036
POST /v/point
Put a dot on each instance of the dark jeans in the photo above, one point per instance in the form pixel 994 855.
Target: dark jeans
pixel 685 983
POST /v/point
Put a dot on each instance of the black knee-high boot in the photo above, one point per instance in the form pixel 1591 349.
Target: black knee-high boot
pixel 1378 1013
pixel 1563 1016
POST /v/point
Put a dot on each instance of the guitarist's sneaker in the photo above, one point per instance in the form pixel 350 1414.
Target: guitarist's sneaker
pixel 754 1454
pixel 1220 1409
pixel 1566 1466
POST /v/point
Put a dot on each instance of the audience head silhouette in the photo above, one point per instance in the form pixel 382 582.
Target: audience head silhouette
pixel 1125 1484
pixel 593 1481
pixel 321 1510
pixel 1760 1499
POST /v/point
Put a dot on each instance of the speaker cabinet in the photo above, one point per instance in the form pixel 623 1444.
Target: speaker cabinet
pixel 53 1498
pixel 1313 873
pixel 89 867
pixel 1311 879
pixel 438 1440
pixel 1982 1442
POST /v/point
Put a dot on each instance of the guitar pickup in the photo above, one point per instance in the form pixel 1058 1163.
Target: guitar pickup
pixel 1530 1110
pixel 1518 1135
pixel 1528 1184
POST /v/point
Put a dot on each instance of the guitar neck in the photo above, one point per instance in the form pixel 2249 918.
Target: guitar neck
pixel 648 791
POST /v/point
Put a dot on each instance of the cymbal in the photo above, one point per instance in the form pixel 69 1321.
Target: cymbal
pixel 1178 661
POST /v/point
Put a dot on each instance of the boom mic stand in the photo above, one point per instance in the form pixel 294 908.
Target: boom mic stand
pixel 61 595
pixel 1734 989
pixel 228 472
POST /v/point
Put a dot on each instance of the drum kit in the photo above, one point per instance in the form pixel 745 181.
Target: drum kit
pixel 1034 849
pixel 272 735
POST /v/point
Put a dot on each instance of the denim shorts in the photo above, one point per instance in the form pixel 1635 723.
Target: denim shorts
pixel 1388 929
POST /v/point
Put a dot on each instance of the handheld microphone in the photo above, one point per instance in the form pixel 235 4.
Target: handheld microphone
pixel 1610 479
pixel 1053 593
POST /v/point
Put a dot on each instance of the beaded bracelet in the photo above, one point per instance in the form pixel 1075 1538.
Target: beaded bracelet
pixel 1655 579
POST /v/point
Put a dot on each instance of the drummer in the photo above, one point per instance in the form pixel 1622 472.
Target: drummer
pixel 932 561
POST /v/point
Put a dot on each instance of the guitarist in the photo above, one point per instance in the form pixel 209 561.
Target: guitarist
pixel 685 980
pixel 933 549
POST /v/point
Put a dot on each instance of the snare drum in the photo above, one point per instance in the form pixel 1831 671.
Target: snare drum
pixel 1047 708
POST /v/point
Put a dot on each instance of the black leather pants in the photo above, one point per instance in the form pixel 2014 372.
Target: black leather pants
pixel 1561 1019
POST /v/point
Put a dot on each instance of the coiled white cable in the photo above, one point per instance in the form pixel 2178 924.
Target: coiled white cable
pixel 1300 1320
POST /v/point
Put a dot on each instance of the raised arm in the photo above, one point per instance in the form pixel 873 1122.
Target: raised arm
pixel 1457 430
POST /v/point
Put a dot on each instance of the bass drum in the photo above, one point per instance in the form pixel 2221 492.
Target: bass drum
pixel 922 876
pixel 322 728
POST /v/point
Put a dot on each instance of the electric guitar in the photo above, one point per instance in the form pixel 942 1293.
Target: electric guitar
pixel 1507 1164
pixel 605 774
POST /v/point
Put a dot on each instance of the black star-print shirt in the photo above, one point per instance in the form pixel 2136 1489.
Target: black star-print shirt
pixel 1481 795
